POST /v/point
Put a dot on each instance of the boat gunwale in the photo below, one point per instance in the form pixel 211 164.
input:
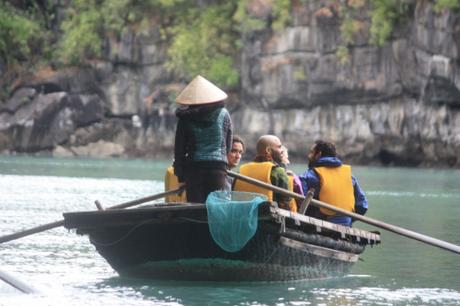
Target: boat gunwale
pixel 267 211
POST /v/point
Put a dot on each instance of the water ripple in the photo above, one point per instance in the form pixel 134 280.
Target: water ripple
pixel 409 194
pixel 67 270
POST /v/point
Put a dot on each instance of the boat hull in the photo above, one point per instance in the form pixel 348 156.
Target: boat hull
pixel 174 247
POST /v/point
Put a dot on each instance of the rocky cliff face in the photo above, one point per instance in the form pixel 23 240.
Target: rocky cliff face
pixel 397 104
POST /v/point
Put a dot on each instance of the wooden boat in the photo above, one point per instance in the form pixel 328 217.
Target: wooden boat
pixel 171 241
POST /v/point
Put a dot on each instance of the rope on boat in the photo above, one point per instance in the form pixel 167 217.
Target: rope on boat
pixel 275 249
pixel 122 237
pixel 193 220
pixel 136 227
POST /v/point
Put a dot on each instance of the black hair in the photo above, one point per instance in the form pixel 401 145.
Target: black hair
pixel 237 138
pixel 327 149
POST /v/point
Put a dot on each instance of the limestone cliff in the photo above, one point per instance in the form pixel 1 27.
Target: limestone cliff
pixel 396 104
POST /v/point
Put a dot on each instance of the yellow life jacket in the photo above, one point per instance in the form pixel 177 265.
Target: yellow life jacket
pixel 336 188
pixel 171 182
pixel 259 171
pixel 292 203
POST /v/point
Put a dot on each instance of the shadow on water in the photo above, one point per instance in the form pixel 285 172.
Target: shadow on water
pixel 229 293
pixel 348 290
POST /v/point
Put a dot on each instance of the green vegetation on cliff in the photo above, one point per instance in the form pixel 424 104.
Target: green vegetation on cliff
pixel 204 42
pixel 17 34
pixel 384 15
pixel 202 39
pixel 202 36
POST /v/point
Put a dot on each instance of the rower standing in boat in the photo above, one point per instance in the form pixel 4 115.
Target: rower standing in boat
pixel 203 139
pixel 333 184
pixel 233 158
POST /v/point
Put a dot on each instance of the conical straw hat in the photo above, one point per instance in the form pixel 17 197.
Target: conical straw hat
pixel 200 91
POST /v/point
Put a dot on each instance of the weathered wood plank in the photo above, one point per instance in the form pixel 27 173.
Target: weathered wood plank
pixel 322 224
pixel 318 250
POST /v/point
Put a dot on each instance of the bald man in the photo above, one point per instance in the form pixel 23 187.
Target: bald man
pixel 266 168
pixel 269 148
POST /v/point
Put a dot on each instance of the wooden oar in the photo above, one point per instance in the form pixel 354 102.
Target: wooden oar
pixel 389 227
pixel 51 225
pixel 16 283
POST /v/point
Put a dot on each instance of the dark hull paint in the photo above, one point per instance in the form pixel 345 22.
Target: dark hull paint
pixel 181 248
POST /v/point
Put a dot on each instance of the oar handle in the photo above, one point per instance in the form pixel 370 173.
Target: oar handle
pixel 16 283
pixel 55 224
pixel 389 227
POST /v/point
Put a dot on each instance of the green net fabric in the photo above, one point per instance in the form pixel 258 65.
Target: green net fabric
pixel 232 217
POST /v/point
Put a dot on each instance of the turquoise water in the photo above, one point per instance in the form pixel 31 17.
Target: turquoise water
pixel 66 269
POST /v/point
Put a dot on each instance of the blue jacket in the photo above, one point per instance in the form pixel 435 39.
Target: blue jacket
pixel 310 179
